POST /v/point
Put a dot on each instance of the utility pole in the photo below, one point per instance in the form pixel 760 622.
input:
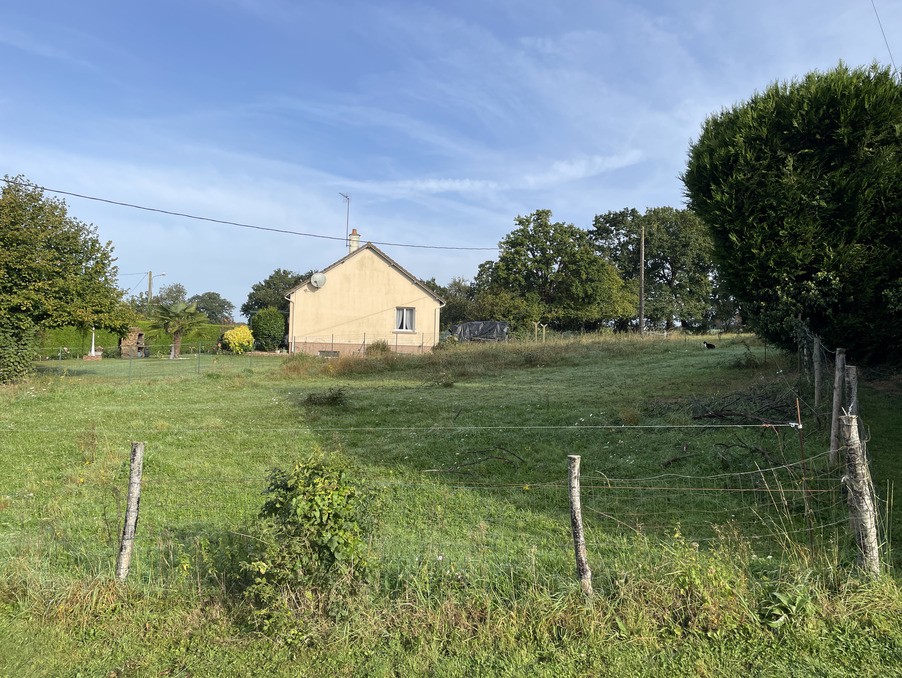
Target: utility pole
pixel 642 281
pixel 150 288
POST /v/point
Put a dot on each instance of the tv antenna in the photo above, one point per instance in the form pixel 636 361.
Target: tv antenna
pixel 347 216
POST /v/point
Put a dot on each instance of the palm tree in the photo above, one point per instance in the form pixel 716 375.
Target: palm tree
pixel 176 320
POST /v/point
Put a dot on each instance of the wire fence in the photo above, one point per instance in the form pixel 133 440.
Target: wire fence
pixel 154 362
pixel 459 514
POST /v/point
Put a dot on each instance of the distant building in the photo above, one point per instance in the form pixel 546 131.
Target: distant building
pixel 133 345
pixel 363 298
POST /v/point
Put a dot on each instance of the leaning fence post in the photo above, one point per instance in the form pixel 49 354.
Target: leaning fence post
pixel 576 524
pixel 862 505
pixel 838 381
pixel 132 502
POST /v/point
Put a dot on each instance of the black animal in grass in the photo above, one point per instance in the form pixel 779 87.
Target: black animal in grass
pixel 709 344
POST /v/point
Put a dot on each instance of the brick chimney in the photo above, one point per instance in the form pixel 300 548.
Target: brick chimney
pixel 353 241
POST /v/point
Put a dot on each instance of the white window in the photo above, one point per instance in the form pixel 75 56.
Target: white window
pixel 404 318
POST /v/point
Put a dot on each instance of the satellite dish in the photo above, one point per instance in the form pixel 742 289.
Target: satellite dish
pixel 318 280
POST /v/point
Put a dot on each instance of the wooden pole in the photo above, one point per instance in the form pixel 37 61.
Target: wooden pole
pixel 132 502
pixel 862 504
pixel 642 281
pixel 576 524
pixel 851 379
pixel 816 356
pixel 838 382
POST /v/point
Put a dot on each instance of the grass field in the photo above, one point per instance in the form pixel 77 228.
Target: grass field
pixel 703 560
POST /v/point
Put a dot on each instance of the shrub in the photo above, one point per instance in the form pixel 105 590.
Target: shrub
pixel 268 326
pixel 311 539
pixel 16 354
pixel 378 348
pixel 239 339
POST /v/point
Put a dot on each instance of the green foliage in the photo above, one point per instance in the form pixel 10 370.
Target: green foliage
pixel 333 396
pixel 272 291
pixel 551 272
pixel 171 294
pixel 460 302
pixel 782 607
pixel 801 186
pixel 311 536
pixel 16 353
pixel 213 305
pixel 679 268
pixel 177 320
pixel 269 326
pixel 472 576
pixel 53 272
pixel 238 339
pixel 76 339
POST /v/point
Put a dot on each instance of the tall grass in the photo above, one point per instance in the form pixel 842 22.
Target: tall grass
pixel 462 454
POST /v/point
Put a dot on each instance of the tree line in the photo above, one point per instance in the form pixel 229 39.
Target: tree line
pixel 574 279
pixel 792 224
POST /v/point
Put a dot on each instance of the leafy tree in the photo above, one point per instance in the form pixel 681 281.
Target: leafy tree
pixel 802 186
pixel 54 271
pixel 551 271
pixel 167 294
pixel 138 303
pixel 679 266
pixel 177 320
pixel 268 326
pixel 170 294
pixel 460 301
pixel 213 305
pixel 272 291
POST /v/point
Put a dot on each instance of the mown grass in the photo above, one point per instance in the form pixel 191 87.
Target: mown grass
pixel 463 456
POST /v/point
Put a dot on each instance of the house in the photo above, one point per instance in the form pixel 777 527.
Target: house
pixel 363 298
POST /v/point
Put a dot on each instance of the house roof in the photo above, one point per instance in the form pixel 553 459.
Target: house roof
pixel 387 259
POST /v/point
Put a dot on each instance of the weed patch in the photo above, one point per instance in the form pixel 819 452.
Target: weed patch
pixel 335 396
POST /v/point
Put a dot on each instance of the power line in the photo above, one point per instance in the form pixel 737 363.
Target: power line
pixel 885 41
pixel 226 222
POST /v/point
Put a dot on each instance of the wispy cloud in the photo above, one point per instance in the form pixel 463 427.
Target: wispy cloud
pixel 39 47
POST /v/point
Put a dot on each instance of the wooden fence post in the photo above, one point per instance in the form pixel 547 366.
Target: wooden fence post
pixel 132 502
pixel 851 378
pixel 838 381
pixel 576 524
pixel 862 504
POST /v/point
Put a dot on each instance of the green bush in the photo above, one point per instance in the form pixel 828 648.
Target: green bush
pixel 268 326
pixel 311 542
pixel 16 354
pixel 239 339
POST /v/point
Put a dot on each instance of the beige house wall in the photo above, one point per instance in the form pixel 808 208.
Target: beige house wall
pixel 358 305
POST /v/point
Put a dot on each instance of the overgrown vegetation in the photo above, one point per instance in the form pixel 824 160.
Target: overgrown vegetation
pixel 309 546
pixel 464 538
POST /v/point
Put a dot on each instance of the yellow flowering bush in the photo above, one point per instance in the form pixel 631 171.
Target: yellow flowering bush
pixel 238 339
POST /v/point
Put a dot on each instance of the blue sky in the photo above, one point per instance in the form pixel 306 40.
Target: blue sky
pixel 442 120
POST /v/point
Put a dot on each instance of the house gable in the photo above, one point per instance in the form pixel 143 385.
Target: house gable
pixel 365 297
